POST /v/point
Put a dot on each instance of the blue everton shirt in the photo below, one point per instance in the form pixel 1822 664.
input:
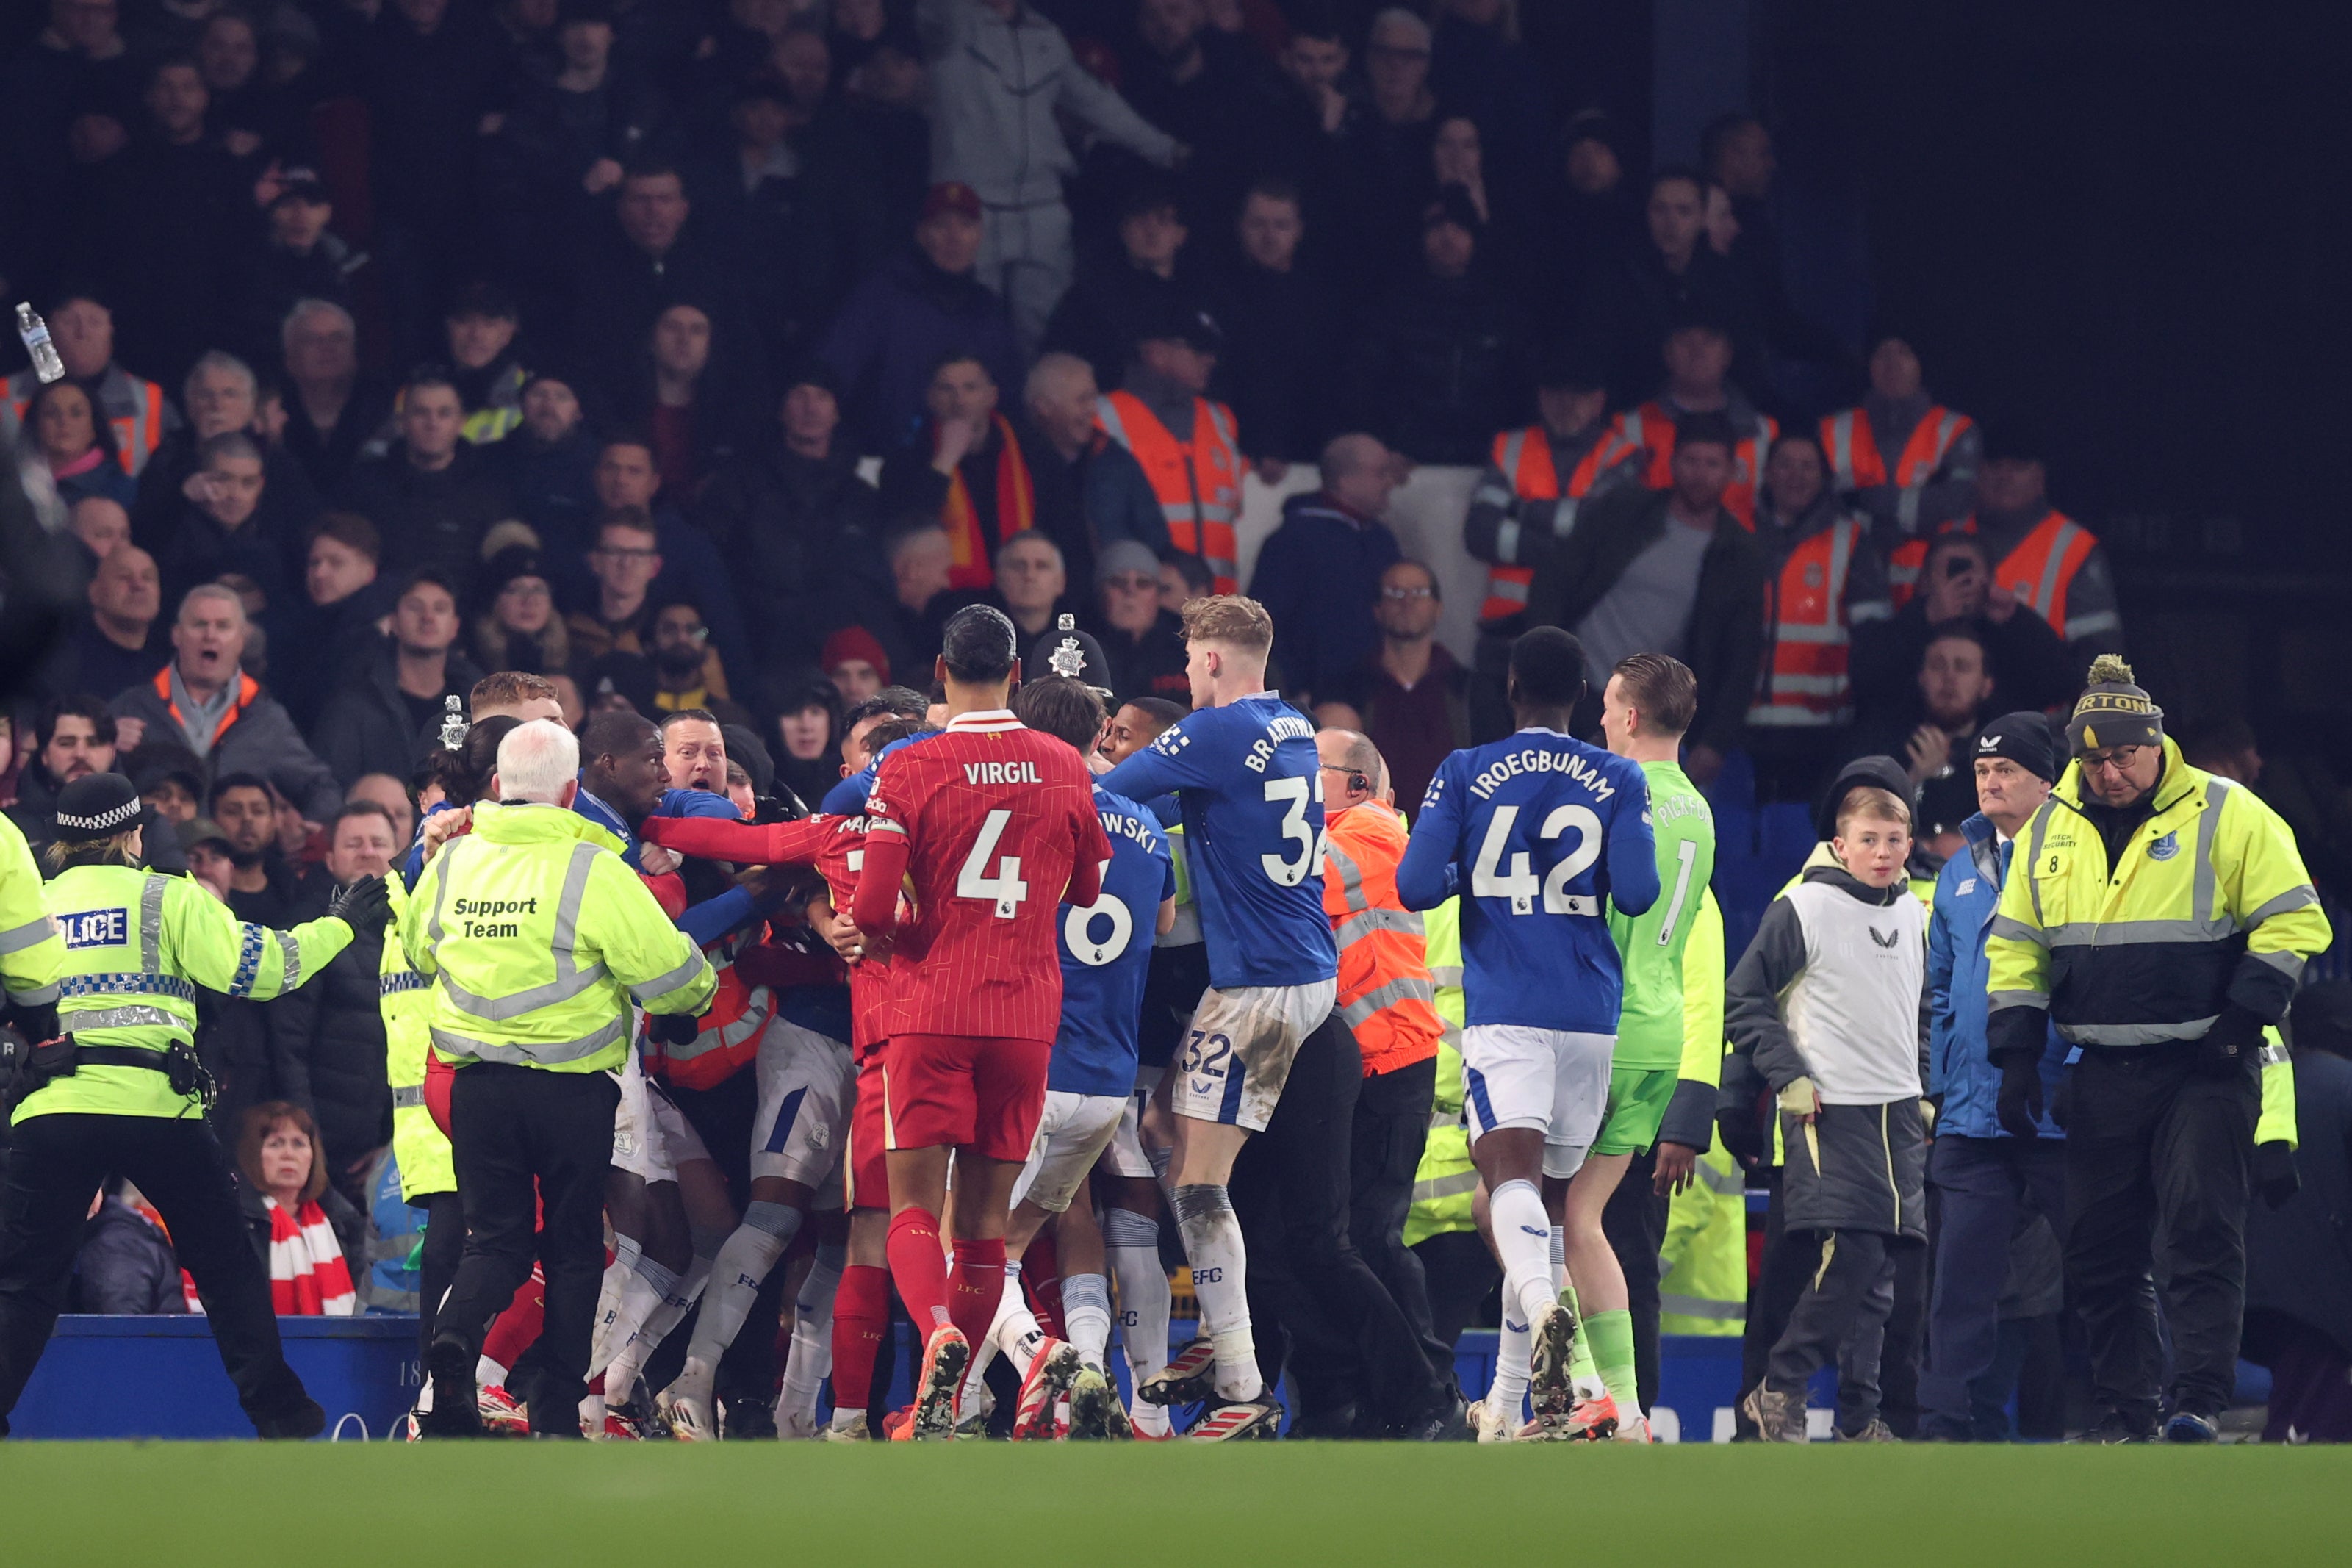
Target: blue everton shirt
pixel 1105 954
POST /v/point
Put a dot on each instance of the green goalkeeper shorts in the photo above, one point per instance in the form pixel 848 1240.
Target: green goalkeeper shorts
pixel 1637 1104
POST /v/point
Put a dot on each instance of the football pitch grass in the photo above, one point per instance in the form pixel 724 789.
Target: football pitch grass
pixel 511 1503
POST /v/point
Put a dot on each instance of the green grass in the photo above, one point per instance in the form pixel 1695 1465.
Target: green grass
pixel 785 1506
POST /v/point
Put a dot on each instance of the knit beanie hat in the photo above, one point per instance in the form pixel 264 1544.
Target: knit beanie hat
pixel 2111 711
pixel 2025 739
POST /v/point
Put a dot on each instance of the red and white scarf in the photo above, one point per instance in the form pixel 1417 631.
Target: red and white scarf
pixel 308 1275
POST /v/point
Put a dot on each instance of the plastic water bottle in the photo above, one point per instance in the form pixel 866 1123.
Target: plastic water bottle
pixel 36 334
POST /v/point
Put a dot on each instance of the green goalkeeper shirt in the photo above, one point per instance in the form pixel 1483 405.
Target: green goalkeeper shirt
pixel 1650 1027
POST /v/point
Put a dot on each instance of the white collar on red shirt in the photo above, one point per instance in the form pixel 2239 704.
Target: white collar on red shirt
pixel 985 721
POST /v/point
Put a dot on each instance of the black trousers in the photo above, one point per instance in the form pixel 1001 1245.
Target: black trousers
pixel 2157 1160
pixel 1787 1262
pixel 437 1269
pixel 526 1139
pixel 1634 1221
pixel 1840 1315
pixel 1462 1276
pixel 1390 1127
pixel 1290 1188
pixel 54 1165
pixel 1981 1186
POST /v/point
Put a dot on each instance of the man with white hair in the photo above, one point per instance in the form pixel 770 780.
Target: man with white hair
pixel 331 413
pixel 222 397
pixel 1091 492
pixel 205 701
pixel 537 939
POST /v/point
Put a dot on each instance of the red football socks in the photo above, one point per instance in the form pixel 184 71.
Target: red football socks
pixel 861 1316
pixel 919 1269
pixel 977 1287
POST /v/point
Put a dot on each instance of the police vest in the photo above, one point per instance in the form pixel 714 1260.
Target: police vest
pixel 2038 570
pixel 1857 463
pixel 137 944
pixel 419 1148
pixel 1805 681
pixel 1197 480
pixel 1525 458
pixel 1445 1183
pixel 1385 994
pixel 1651 429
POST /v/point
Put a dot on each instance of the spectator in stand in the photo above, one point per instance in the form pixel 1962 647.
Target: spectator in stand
pixel 62 433
pixel 1413 697
pixel 335 615
pixel 965 467
pixel 626 276
pixel 332 413
pixel 1480 61
pixel 300 258
pixel 1389 144
pixel 433 495
pixel 117 643
pixel 304 1230
pixel 1667 572
pixel 1197 475
pixel 204 702
pixel 1735 152
pixel 134 409
pixel 1697 354
pixel 1669 276
pixel 1825 578
pixel 919 305
pixel 696 398
pixel 125 1263
pixel 223 528
pixel 921 561
pixel 1091 492
pixel 520 629
pixel 625 561
pixel 72 738
pixel 257 117
pixel 887 99
pixel 1000 73
pixel 387 716
pixel 549 464
pixel 99 523
pixel 385 791
pixel 66 96
pixel 687 671
pixel 1129 287
pixel 1457 158
pixel 222 397
pixel 1590 217
pixel 1213 90
pixel 1318 574
pixel 2225 747
pixel 625 480
pixel 799 530
pixel 1033 581
pixel 1310 134
pixel 1143 642
pixel 1446 365
pixel 1936 739
pixel 479 334
pixel 166 220
pixel 1956 586
pixel 854 660
pixel 262 882
pixel 2050 562
pixel 1906 460
pixel 1283 333
pixel 807 734
pixel 326 1038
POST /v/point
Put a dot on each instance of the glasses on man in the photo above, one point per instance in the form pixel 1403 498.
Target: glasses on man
pixel 1402 595
pixel 2121 760
pixel 1132 583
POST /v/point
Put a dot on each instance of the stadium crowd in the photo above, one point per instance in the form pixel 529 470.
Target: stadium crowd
pixel 686 375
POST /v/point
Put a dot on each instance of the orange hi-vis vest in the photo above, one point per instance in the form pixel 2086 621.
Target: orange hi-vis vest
pixel 2039 571
pixel 726 1037
pixel 1386 995
pixel 1807 679
pixel 1198 481
pixel 1525 458
pixel 1856 463
pixel 1650 428
pixel 136 434
pixel 248 688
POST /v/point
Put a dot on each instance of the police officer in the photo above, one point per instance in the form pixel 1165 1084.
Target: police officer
pixel 537 936
pixel 121 1091
pixel 2161 921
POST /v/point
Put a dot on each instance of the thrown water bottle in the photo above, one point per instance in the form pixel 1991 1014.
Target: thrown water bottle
pixel 36 334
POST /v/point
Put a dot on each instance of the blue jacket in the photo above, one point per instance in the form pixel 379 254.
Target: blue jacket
pixel 1317 575
pixel 1968 891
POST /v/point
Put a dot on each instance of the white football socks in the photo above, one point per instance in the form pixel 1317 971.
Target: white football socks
pixel 1085 1315
pixel 1213 1241
pixel 1131 1242
pixel 810 1360
pixel 736 1275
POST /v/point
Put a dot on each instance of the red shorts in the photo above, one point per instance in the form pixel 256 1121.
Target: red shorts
pixel 867 1184
pixel 984 1093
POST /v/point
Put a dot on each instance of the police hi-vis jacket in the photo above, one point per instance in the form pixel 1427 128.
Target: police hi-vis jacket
pixel 537 938
pixel 2210 905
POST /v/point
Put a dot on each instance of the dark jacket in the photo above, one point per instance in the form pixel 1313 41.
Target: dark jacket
pixel 1149 666
pixel 332 639
pixel 2299 1256
pixel 200 550
pixel 327 1044
pixel 262 740
pixel 1317 575
pixel 1726 629
pixel 288 499
pixel 1111 306
pixel 368 727
pixel 431 520
pixel 802 538
pixel 35 816
pixel 1633 300
pixel 1446 365
pixel 1099 497
pixel 2031 667
pixel 125 1265
pixel 891 330
pixel 350 1226
pixel 617 290
pixel 328 456
pixel 85 659
pixel 1281 338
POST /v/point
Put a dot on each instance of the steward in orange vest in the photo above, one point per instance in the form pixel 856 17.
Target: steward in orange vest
pixel 1824 576
pixel 1539 474
pixel 1188 446
pixel 136 409
pixel 1906 461
pixel 2051 562
pixel 1698 359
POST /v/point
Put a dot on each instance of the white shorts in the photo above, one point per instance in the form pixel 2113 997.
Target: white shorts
pixel 804 1117
pixel 1071 1136
pixel 1549 1079
pixel 651 1136
pixel 1233 1062
pixel 1125 1155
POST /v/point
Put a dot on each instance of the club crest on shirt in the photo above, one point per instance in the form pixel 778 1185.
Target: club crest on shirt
pixel 2166 847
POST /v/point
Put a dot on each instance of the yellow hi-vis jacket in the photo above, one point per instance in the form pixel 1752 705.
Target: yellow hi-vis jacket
pixel 1703 1262
pixel 538 937
pixel 137 945
pixel 31 953
pixel 419 1148
pixel 2209 904
pixel 1445 1183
